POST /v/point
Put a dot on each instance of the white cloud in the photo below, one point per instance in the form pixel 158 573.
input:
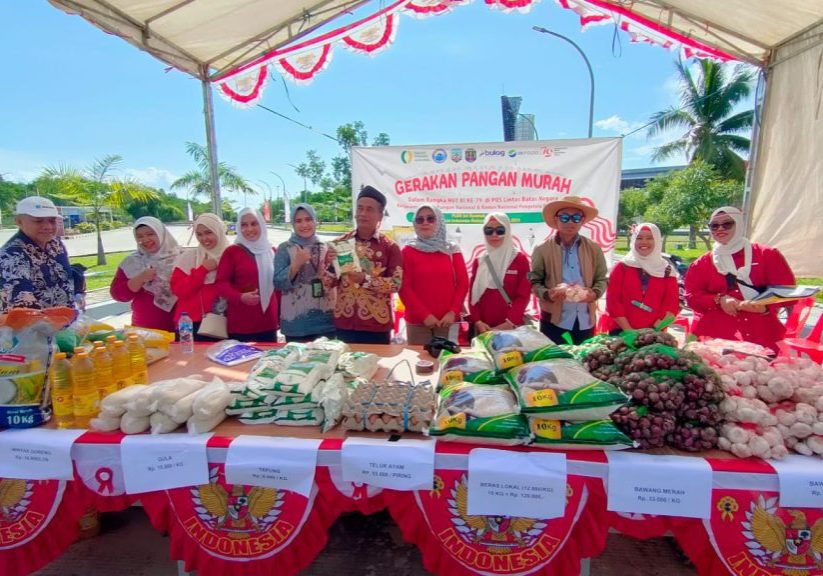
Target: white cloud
pixel 615 123
pixel 154 177
pixel 18 166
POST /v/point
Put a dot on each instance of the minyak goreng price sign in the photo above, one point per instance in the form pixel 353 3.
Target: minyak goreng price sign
pixel 467 181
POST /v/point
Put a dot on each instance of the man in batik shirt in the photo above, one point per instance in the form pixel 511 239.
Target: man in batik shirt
pixel 34 265
pixel 363 311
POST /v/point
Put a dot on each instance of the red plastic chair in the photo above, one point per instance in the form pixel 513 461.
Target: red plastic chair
pixel 798 315
pixel 810 347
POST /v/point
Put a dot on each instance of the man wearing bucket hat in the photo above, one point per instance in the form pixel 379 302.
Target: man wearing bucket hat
pixel 34 263
pixel 568 272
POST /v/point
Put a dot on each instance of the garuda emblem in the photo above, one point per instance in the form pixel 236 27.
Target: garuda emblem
pixel 15 497
pixel 240 511
pixel 783 538
pixel 497 533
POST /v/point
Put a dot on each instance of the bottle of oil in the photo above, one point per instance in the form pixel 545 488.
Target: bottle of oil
pixel 110 340
pixel 106 384
pixel 137 354
pixel 62 393
pixel 121 365
pixel 86 396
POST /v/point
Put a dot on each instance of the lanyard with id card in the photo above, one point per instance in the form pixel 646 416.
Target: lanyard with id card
pixel 644 285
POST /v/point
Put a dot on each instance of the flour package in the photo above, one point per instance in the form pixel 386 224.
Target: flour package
pixel 345 259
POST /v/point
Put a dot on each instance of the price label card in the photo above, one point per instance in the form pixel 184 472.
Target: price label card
pixel 283 463
pixel 37 453
pixel 801 481
pixel 528 484
pixel 401 465
pixel 663 485
pixel 161 462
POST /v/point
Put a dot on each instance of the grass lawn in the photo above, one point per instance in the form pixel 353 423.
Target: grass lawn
pixel 100 276
pixel 334 228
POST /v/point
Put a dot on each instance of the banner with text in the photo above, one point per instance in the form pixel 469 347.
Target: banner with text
pixel 467 181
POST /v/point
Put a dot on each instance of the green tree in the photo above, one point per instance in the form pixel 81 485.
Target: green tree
pixel 94 186
pixel 197 182
pixel 11 193
pixel 713 132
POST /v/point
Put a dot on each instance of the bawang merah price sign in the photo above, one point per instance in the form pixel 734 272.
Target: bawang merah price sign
pixel 467 181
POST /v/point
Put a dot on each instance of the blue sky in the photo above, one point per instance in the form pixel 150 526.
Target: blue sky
pixel 73 93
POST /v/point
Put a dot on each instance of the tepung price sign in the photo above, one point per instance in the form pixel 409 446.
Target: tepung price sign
pixel 286 463
pixel 152 463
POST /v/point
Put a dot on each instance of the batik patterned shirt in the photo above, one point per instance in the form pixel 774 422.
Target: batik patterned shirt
pixel 34 277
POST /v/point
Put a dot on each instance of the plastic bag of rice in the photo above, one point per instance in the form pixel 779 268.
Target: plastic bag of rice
pixel 473 365
pixel 510 348
pixel 593 435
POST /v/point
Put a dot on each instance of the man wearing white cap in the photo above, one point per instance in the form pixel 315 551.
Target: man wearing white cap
pixel 34 265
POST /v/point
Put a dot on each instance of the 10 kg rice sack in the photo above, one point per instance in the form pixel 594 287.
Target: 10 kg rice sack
pixel 564 390
pixel 486 413
pixel 473 365
pixel 510 348
pixel 593 435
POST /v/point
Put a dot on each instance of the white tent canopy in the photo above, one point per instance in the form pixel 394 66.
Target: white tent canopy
pixel 211 39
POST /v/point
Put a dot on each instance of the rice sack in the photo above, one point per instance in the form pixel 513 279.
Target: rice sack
pixel 564 390
pixel 510 348
pixel 487 413
pixel 473 365
pixel 593 435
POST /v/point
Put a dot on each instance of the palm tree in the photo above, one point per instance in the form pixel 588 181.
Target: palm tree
pixel 708 98
pixel 197 182
pixel 93 186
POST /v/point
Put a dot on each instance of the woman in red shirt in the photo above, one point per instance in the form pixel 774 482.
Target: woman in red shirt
pixel 435 280
pixel 501 262
pixel 721 284
pixel 143 277
pixel 245 278
pixel 642 288
pixel 195 272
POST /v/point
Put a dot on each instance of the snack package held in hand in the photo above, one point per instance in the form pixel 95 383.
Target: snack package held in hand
pixel 563 390
pixel 510 348
pixel 574 292
pixel 482 413
pixel 345 258
pixel 592 435
pixel 471 365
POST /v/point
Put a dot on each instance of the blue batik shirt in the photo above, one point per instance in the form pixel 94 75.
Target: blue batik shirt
pixel 572 275
pixel 34 277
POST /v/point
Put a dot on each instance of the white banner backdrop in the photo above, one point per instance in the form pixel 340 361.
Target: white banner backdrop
pixel 467 181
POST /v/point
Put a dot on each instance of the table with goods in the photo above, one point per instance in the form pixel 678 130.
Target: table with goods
pixel 515 456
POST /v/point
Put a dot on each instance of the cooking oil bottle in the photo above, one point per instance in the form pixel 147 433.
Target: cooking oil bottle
pixel 121 365
pixel 137 354
pixel 103 378
pixel 62 394
pixel 86 396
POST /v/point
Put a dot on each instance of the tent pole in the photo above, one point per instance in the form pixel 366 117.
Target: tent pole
pixel 208 112
pixel 753 152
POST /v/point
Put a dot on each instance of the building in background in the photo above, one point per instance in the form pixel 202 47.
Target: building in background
pixel 637 177
pixel 524 127
pixel 516 126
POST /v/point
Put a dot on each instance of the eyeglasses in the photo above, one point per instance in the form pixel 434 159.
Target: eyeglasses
pixel 500 231
pixel 421 219
pixel 725 225
pixel 566 218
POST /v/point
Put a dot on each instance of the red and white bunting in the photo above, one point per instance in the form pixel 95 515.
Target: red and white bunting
pixel 244 90
pixel 373 37
pixel 426 8
pixel 506 6
pixel 303 66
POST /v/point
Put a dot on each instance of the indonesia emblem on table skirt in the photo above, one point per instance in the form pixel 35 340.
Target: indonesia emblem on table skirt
pixel 454 542
pixel 221 528
pixel 749 534
pixel 38 521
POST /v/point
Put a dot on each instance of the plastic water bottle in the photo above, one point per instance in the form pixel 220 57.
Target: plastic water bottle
pixel 137 355
pixel 62 394
pixel 185 331
pixel 86 396
pixel 106 384
pixel 121 365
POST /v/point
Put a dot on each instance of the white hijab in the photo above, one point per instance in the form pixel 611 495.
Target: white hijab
pixel 162 261
pixel 263 256
pixel 722 255
pixel 500 258
pixel 654 264
pixel 191 259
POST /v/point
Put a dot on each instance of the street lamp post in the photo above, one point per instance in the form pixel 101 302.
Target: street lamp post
pixel 588 65
pixel 305 188
pixel 286 217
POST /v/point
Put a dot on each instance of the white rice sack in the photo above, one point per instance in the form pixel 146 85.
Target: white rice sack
pixel 105 423
pixel 115 404
pixel 181 410
pixel 211 400
pixel 332 395
pixel 166 392
pixel 359 364
pixel 132 424
pixel 162 424
pixel 140 403
pixel 202 424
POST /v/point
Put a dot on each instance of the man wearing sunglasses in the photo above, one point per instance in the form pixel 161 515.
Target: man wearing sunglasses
pixel 565 260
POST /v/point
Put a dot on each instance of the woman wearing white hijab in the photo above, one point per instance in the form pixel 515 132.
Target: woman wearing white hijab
pixel 195 272
pixel 245 277
pixel 642 289
pixel 143 278
pixel 499 264
pixel 435 281
pixel 720 284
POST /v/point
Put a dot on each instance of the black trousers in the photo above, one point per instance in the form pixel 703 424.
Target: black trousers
pixel 362 337
pixel 555 333
pixel 269 336
pixel 311 337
